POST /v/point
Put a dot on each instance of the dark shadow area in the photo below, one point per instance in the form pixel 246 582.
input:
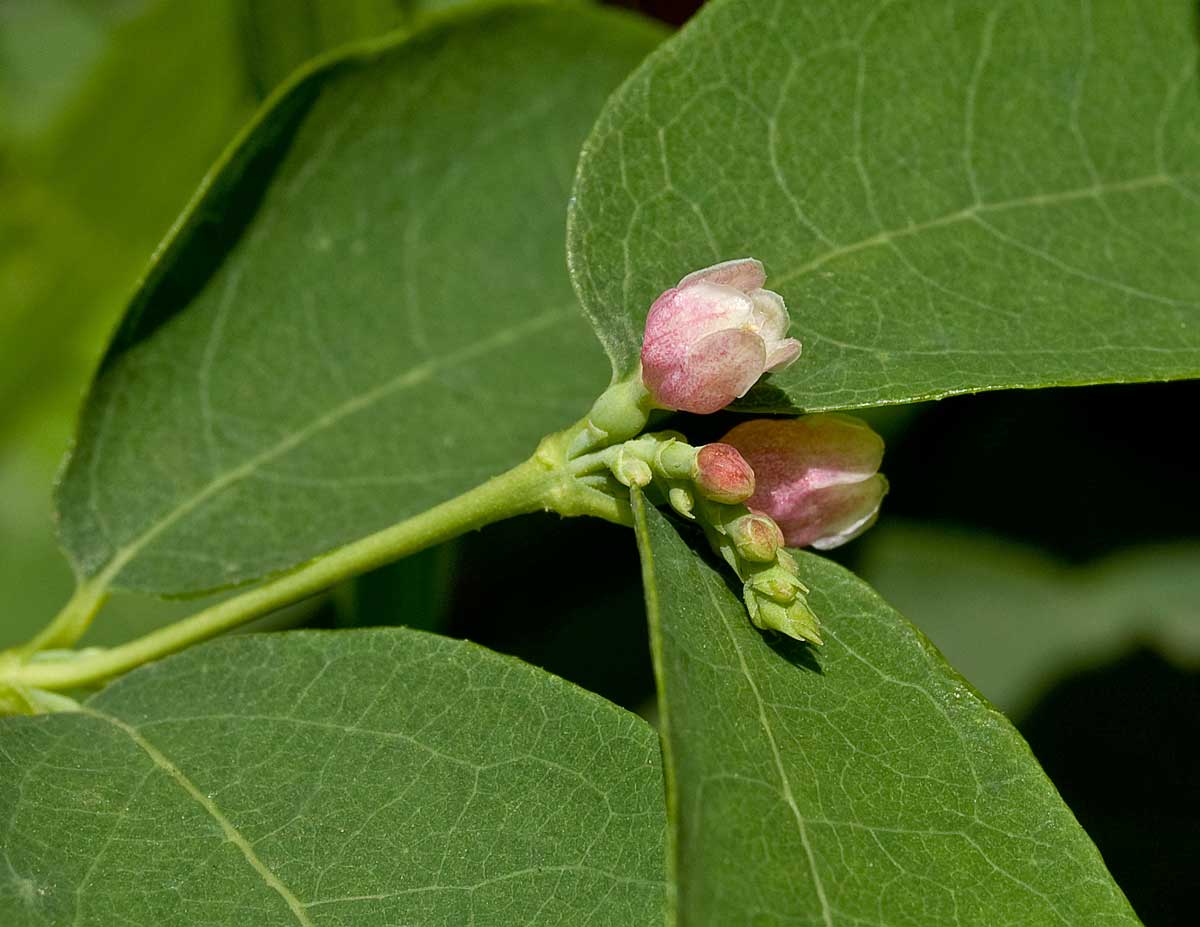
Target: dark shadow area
pixel 217 224
pixel 563 594
pixel 673 12
pixel 1122 744
pixel 1079 473
pixel 767 399
pixel 798 653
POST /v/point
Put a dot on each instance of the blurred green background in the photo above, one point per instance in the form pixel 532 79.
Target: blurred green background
pixel 1045 540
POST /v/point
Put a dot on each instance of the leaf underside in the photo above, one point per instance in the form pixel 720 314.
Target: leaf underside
pixel 860 783
pixel 356 777
pixel 950 197
pixel 359 319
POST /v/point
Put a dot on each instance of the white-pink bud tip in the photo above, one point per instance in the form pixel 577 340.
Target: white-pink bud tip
pixel 709 338
pixel 817 475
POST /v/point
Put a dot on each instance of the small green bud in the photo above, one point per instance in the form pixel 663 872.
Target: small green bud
pixel 682 501
pixel 775 581
pixel 619 413
pixel 631 470
pixel 757 537
pixel 796 619
pixel 776 585
pixel 675 459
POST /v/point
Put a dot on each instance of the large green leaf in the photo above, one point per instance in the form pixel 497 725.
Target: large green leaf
pixel 1011 620
pixel 110 113
pixel 950 196
pixel 366 314
pixel 863 783
pixel 355 777
pixel 283 33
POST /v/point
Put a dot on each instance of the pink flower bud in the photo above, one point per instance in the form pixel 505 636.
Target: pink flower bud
pixel 722 474
pixel 817 476
pixel 709 338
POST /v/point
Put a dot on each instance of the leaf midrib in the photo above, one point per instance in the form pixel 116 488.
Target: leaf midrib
pixel 411 377
pixel 232 834
pixel 784 781
pixel 972 212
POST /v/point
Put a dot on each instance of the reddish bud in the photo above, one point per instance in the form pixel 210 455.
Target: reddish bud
pixel 722 474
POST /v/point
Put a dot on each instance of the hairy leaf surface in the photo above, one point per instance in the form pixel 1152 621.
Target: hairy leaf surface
pixel 951 197
pixel 863 783
pixel 366 313
pixel 357 777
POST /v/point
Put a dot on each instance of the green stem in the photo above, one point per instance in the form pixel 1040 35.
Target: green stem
pixel 540 483
pixel 72 621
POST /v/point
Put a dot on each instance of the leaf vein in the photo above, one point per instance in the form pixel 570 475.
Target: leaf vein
pixel 409 378
pixel 785 781
pixel 969 213
pixel 227 828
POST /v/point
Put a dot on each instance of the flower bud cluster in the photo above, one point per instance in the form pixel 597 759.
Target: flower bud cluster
pixel 711 336
pixel 808 481
pixel 713 473
pixel 752 544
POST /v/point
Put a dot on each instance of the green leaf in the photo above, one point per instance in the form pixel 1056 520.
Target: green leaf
pixel 950 197
pixel 357 777
pixel 284 33
pixel 109 115
pixel 860 783
pixel 1011 620
pixel 366 314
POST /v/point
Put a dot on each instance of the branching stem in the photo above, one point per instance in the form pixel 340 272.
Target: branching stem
pixel 542 483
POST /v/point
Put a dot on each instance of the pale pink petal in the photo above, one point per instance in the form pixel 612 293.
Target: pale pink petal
pixel 770 315
pixel 850 510
pixel 678 321
pixel 718 369
pixel 681 317
pixel 782 354
pixel 746 274
pixel 817 476
pixel 808 453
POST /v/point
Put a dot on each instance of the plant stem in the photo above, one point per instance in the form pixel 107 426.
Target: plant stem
pixel 540 483
pixel 74 618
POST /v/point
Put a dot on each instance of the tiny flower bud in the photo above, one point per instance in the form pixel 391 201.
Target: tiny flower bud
pixel 722 474
pixel 756 537
pixel 816 476
pixel 776 585
pixel 681 501
pixel 709 338
pixel 631 471
pixel 676 459
pixel 795 618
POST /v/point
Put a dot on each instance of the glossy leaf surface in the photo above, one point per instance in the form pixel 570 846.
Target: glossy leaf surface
pixel 951 197
pixel 860 783
pixel 357 777
pixel 361 317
